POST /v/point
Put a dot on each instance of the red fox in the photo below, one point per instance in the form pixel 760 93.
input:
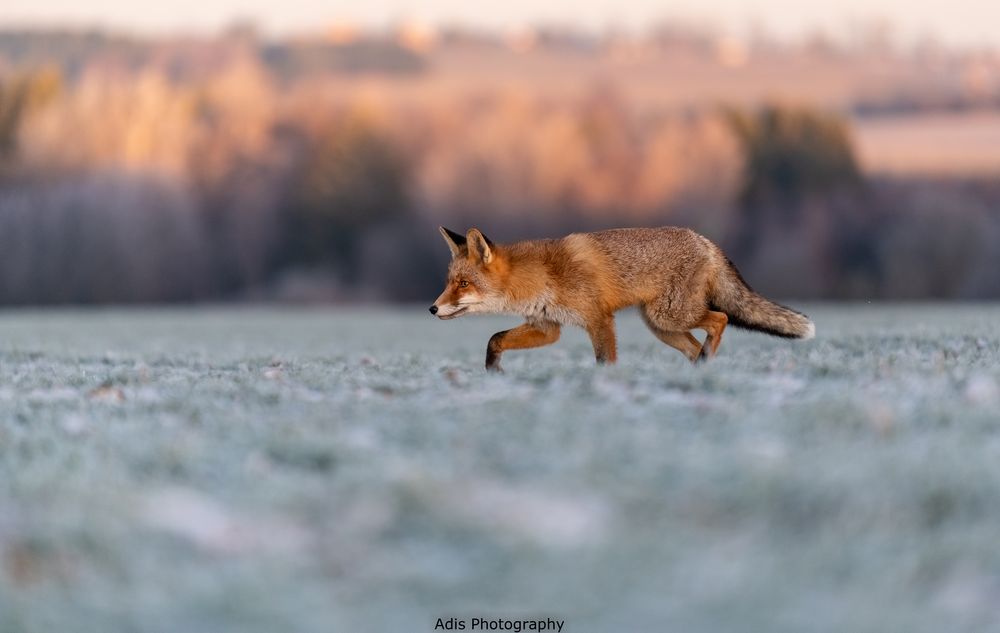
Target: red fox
pixel 680 280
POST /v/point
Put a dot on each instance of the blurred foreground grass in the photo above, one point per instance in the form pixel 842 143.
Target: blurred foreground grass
pixel 355 470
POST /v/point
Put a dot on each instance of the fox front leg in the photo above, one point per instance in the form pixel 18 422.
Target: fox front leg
pixel 523 336
pixel 602 336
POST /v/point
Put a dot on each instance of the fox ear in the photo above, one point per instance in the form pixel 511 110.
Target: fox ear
pixel 454 240
pixel 480 247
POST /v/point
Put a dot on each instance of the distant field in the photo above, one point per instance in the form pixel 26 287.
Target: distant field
pixel 921 144
pixel 679 80
pixel 952 144
pixel 355 470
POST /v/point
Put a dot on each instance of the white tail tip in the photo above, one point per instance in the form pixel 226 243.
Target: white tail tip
pixel 810 332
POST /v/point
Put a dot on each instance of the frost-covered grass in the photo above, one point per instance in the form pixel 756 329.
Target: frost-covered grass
pixel 347 470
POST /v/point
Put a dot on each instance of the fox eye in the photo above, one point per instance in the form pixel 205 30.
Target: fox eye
pixel 463 284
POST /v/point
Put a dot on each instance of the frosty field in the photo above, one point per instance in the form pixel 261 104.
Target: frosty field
pixel 203 470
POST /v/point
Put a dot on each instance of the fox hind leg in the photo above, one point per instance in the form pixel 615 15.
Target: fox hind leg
pixel 713 323
pixel 523 336
pixel 683 342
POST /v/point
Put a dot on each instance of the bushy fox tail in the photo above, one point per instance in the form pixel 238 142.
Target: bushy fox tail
pixel 747 309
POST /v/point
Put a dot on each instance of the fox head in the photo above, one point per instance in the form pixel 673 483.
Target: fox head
pixel 473 276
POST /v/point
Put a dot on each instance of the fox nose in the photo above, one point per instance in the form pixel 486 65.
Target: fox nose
pixel 433 309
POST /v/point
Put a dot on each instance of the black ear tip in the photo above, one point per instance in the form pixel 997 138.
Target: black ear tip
pixel 455 237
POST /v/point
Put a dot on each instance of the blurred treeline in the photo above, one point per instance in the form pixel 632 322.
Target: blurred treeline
pixel 241 170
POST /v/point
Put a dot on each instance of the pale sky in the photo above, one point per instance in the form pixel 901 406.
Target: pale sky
pixel 975 22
